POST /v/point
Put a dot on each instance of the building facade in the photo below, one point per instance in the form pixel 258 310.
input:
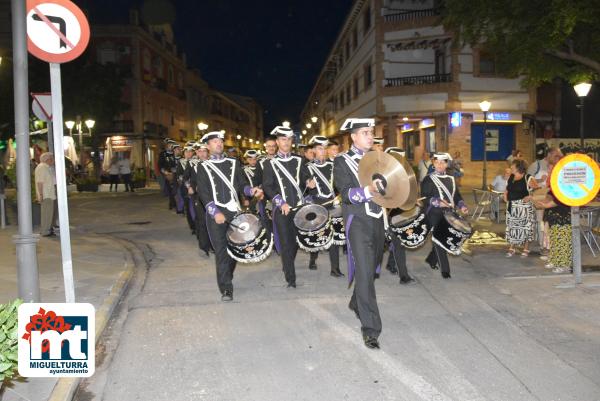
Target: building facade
pixel 395 62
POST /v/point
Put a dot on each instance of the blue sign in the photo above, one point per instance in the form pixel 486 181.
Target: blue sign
pixel 456 119
pixel 498 116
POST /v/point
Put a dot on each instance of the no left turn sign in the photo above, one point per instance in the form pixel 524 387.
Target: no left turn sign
pixel 57 30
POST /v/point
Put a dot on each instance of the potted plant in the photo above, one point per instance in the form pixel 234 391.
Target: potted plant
pixel 8 342
pixel 139 178
pixel 87 184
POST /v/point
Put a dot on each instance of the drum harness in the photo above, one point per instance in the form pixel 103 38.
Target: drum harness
pixel 290 178
pixel 327 182
pixel 441 187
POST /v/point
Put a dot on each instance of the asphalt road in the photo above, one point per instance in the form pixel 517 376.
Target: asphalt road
pixel 497 330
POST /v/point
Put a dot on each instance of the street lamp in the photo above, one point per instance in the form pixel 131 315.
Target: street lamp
pixel 202 127
pixel 239 137
pixel 485 107
pixel 304 131
pixel 582 90
pixel 286 124
pixel 314 119
pixel 70 125
pixel 308 125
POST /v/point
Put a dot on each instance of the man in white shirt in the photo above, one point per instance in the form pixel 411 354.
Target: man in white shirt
pixel 498 188
pixel 424 166
pixel 46 193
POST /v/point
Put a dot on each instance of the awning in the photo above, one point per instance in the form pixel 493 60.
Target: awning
pixel 418 43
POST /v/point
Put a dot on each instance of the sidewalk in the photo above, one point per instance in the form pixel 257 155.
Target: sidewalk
pixel 99 262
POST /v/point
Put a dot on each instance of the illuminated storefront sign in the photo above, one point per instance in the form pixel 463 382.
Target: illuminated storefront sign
pixel 456 119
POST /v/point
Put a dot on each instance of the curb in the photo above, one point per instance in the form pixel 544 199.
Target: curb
pixel 65 388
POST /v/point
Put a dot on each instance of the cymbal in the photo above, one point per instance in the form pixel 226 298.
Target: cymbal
pixel 412 179
pixel 384 166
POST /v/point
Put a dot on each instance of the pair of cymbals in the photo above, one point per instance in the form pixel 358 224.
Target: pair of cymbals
pixel 398 177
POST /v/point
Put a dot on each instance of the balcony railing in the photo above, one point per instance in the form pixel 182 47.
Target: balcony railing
pixel 418 80
pixel 411 15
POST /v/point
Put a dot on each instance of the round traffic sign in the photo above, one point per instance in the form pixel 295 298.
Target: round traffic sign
pixel 57 30
pixel 575 180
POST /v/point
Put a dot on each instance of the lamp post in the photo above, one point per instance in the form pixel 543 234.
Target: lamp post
pixel 70 125
pixel 314 119
pixel 485 107
pixel 202 127
pixel 582 90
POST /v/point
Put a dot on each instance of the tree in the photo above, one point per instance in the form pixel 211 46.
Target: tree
pixel 540 39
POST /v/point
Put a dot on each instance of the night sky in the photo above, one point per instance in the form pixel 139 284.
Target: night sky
pixel 271 50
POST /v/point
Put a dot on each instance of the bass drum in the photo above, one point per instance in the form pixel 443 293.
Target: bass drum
pixel 451 232
pixel 337 221
pixel 411 227
pixel 248 241
pixel 313 228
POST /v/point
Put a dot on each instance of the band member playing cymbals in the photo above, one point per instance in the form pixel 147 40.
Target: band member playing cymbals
pixel 363 220
pixel 285 181
pixel 324 192
pixel 221 182
pixel 441 193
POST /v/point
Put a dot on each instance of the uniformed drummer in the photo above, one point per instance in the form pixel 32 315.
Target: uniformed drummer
pixel 333 148
pixel 324 192
pixel 363 220
pixel 182 173
pixel 270 153
pixel 201 228
pixel 221 182
pixel 397 260
pixel 253 173
pixel 441 193
pixel 168 165
pixel 285 180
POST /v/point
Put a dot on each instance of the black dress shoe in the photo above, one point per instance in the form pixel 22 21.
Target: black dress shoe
pixel 391 268
pixel 407 280
pixel 227 296
pixel 446 275
pixel 293 285
pixel 355 310
pixel 336 273
pixel 432 265
pixel 376 275
pixel 312 266
pixel 371 342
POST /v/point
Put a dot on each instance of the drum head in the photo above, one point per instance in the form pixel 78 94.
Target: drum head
pixel 244 228
pixel 406 216
pixel 311 217
pixel 458 222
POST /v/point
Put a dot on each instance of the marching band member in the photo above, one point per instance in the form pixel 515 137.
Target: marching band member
pixel 397 259
pixel 220 183
pixel 168 165
pixel 252 171
pixel 182 173
pixel 285 179
pixel 333 148
pixel 378 144
pixel 201 228
pixel 270 153
pixel 365 234
pixel 440 192
pixel 176 179
pixel 322 171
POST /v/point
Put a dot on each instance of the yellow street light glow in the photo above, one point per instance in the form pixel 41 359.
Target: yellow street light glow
pixel 485 106
pixel 89 123
pixel 70 124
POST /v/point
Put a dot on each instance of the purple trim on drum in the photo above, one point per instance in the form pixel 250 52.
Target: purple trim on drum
pixel 212 209
pixel 248 190
pixel 357 195
pixel 278 200
pixel 275 234
pixel 349 250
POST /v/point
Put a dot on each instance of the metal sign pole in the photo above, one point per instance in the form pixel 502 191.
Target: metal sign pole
pixel 61 183
pixel 576 241
pixel 26 242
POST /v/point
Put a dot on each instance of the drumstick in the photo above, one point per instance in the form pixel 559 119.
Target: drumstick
pixel 234 225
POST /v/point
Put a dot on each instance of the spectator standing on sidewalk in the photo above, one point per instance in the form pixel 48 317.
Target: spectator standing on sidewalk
pixel 499 187
pixel 558 217
pixel 113 173
pixel 125 171
pixel 46 193
pixel 520 215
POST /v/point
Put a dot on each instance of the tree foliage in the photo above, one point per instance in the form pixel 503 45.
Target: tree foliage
pixel 540 39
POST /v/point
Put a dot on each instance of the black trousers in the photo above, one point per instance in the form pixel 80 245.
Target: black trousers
pixel 398 257
pixel 189 201
pixel 201 228
pixel 438 255
pixel 225 265
pixel 286 233
pixel 334 257
pixel 366 238
pixel 127 181
pixel 171 188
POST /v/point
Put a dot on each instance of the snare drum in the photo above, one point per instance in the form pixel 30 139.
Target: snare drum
pixel 411 227
pixel 248 241
pixel 313 227
pixel 337 221
pixel 451 232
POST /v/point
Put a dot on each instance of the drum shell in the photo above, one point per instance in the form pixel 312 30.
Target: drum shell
pixel 254 249
pixel 449 237
pixel 339 232
pixel 412 233
pixel 317 240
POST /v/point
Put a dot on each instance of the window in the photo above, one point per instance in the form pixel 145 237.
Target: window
pixel 354 38
pixel 487 63
pixel 368 75
pixel 367 19
pixel 348 93
pixel 356 86
pixel 440 62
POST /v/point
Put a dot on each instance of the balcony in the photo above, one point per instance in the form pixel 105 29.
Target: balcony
pixel 411 15
pixel 122 126
pixel 418 80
